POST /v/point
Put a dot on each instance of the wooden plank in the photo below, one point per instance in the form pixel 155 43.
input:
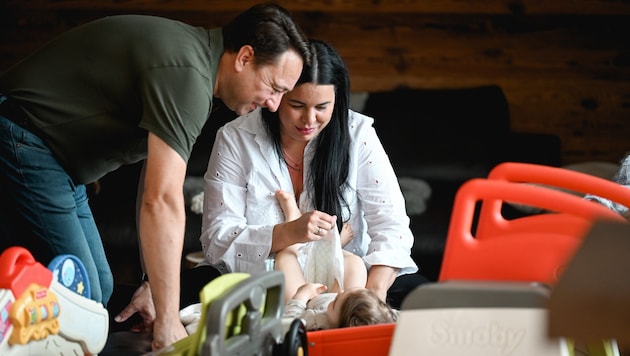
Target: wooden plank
pixel 410 52
pixel 591 117
pixel 564 65
pixel 521 7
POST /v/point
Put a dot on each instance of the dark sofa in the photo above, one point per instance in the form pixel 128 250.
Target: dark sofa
pixel 440 137
pixel 445 137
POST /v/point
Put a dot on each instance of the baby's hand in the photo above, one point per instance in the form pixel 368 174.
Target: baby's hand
pixel 309 291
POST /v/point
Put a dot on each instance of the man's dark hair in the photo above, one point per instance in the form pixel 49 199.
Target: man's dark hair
pixel 270 30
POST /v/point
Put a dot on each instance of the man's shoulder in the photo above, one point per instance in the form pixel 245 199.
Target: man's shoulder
pixel 134 18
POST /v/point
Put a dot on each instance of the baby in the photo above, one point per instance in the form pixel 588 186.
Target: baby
pixel 353 306
pixel 287 260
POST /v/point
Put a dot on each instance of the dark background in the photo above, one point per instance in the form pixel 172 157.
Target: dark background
pixel 563 65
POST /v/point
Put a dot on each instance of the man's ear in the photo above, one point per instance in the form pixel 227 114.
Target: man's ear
pixel 244 57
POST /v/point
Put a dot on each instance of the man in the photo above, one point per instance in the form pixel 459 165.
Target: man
pixel 116 91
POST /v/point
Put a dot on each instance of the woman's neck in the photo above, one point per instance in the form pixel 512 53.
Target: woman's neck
pixel 293 155
pixel 294 149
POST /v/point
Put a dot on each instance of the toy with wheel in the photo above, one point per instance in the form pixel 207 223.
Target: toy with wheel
pixel 242 314
pixel 47 311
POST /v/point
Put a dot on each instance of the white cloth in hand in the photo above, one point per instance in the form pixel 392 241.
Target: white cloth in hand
pixel 324 260
pixel 190 317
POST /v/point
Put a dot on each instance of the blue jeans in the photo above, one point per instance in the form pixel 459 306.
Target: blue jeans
pixel 41 200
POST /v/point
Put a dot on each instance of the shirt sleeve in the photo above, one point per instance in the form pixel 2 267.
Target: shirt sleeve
pixel 313 320
pixel 382 202
pixel 239 210
pixel 294 308
pixel 176 104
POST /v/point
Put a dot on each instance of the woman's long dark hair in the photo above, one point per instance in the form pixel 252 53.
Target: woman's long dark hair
pixel 331 161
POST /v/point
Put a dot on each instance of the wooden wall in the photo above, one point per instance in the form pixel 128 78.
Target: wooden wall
pixel 563 64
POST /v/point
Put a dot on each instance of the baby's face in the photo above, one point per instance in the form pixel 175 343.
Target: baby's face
pixel 334 308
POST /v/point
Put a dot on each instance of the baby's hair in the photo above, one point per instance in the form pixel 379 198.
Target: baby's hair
pixel 622 176
pixel 363 307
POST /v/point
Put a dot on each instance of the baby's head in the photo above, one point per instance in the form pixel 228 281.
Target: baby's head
pixel 359 307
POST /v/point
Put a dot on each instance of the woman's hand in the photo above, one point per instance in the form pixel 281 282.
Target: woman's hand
pixel 311 226
pixel 315 225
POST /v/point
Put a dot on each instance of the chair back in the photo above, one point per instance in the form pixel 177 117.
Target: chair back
pixel 533 248
pixel 491 221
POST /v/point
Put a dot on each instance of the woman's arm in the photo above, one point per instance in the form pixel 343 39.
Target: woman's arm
pixel 227 235
pixel 382 203
pixel 380 278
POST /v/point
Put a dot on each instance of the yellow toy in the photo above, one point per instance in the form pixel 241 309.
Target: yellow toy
pixel 45 311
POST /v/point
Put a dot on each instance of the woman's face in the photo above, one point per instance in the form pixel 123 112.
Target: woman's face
pixel 305 111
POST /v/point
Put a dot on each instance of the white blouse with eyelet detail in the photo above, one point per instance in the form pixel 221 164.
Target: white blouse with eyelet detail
pixel 240 208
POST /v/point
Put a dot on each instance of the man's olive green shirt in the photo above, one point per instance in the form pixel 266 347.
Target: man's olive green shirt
pixel 95 91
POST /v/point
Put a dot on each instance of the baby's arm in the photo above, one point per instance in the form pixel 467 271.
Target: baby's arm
pixel 297 304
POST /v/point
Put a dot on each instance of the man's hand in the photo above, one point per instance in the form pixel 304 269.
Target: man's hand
pixel 141 303
pixel 167 332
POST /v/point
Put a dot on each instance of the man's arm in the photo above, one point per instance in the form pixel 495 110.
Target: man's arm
pixel 161 228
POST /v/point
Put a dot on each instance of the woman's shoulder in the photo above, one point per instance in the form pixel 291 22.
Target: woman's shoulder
pixel 360 125
pixel 250 122
pixel 359 120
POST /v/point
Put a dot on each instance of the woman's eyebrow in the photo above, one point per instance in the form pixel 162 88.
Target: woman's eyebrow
pixel 295 101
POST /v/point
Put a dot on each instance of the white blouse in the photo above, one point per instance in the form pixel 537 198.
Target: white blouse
pixel 240 208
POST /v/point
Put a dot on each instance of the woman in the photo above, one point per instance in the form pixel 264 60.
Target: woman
pixel 329 157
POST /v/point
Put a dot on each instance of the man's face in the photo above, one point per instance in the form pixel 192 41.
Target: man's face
pixel 262 86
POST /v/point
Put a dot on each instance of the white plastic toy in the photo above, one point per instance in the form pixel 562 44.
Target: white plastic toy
pixel 45 311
